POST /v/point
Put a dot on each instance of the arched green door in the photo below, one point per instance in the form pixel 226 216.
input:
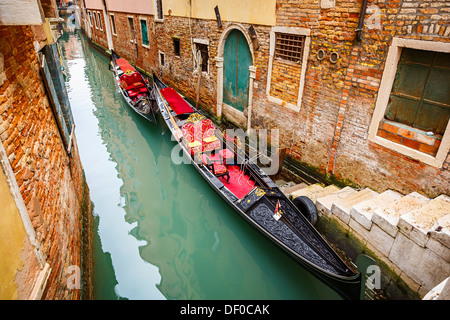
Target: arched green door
pixel 236 60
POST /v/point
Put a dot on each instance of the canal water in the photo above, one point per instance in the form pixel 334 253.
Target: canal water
pixel 160 231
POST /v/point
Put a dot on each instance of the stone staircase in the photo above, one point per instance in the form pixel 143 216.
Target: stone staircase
pixel 409 233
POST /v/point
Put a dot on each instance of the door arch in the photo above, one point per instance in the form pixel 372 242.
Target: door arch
pixel 235 72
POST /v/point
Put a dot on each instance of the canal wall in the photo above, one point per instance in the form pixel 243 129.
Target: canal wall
pixel 42 170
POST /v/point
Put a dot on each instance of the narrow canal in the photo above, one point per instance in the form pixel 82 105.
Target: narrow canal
pixel 160 231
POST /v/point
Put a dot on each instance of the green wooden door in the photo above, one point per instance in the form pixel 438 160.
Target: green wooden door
pixel 237 59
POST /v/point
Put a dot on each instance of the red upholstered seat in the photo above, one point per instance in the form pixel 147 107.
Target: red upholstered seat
pixel 218 169
pixel 132 93
pixel 200 136
pixel 132 81
pixel 176 102
pixel 225 154
pixel 125 66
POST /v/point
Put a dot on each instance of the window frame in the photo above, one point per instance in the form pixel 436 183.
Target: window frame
pixel 148 33
pixel 112 20
pixel 158 5
pixel 384 93
pixel 161 54
pixel 131 30
pixel 89 15
pixel 204 42
pixel 100 25
pixel 176 39
pixel 306 32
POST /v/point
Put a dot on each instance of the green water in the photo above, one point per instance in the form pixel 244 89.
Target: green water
pixel 161 232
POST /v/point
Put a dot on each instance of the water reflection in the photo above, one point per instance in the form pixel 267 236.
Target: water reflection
pixel 96 110
pixel 164 234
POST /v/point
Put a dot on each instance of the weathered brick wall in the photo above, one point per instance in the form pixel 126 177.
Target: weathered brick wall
pixel 99 34
pixel 285 80
pixel 51 182
pixel 331 130
pixel 178 70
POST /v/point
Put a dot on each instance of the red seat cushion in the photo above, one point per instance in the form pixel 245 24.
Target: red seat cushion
pixel 219 168
pixel 177 103
pixel 132 93
pixel 131 81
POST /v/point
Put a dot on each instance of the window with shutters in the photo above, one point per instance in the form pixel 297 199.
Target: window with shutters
pixel 99 16
pixel 132 29
pixel 420 95
pixel 412 110
pixel 204 57
pixel 144 32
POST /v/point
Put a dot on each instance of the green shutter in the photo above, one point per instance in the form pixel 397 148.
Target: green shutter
pixel 420 94
pixel 144 32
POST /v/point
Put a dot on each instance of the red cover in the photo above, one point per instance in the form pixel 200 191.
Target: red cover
pixel 125 66
pixel 176 102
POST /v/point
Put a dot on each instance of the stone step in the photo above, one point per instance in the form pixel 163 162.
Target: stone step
pixel 324 204
pixel 417 223
pixel 387 218
pixel 362 212
pixel 289 189
pixel 342 207
pixel 441 233
pixel 314 191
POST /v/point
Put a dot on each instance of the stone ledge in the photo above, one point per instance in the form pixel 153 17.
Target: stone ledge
pixel 363 211
pixel 387 218
pixel 325 203
pixel 342 207
pixel 418 223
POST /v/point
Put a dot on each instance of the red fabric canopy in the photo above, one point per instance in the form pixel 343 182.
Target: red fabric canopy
pixel 176 102
pixel 125 66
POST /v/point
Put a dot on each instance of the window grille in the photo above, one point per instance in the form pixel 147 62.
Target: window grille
pixel 289 47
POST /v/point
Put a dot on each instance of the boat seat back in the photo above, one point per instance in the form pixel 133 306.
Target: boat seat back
pixel 200 136
pixel 131 81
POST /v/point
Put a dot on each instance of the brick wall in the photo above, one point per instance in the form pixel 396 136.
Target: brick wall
pixel 98 32
pixel 51 182
pixel 285 80
pixel 330 131
pixel 178 71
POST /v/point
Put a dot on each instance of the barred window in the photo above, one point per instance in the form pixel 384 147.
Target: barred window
pixel 289 47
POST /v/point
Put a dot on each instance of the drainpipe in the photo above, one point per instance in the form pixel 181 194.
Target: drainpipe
pixel 362 15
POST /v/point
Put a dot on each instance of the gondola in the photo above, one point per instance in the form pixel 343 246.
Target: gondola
pixel 251 193
pixel 134 87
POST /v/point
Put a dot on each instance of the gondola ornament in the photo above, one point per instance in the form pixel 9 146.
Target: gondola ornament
pixel 277 214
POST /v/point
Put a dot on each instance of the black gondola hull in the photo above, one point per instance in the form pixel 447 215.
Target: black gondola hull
pixel 151 108
pixel 346 283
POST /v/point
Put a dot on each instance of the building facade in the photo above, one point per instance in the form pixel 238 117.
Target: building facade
pixel 42 188
pixel 359 90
